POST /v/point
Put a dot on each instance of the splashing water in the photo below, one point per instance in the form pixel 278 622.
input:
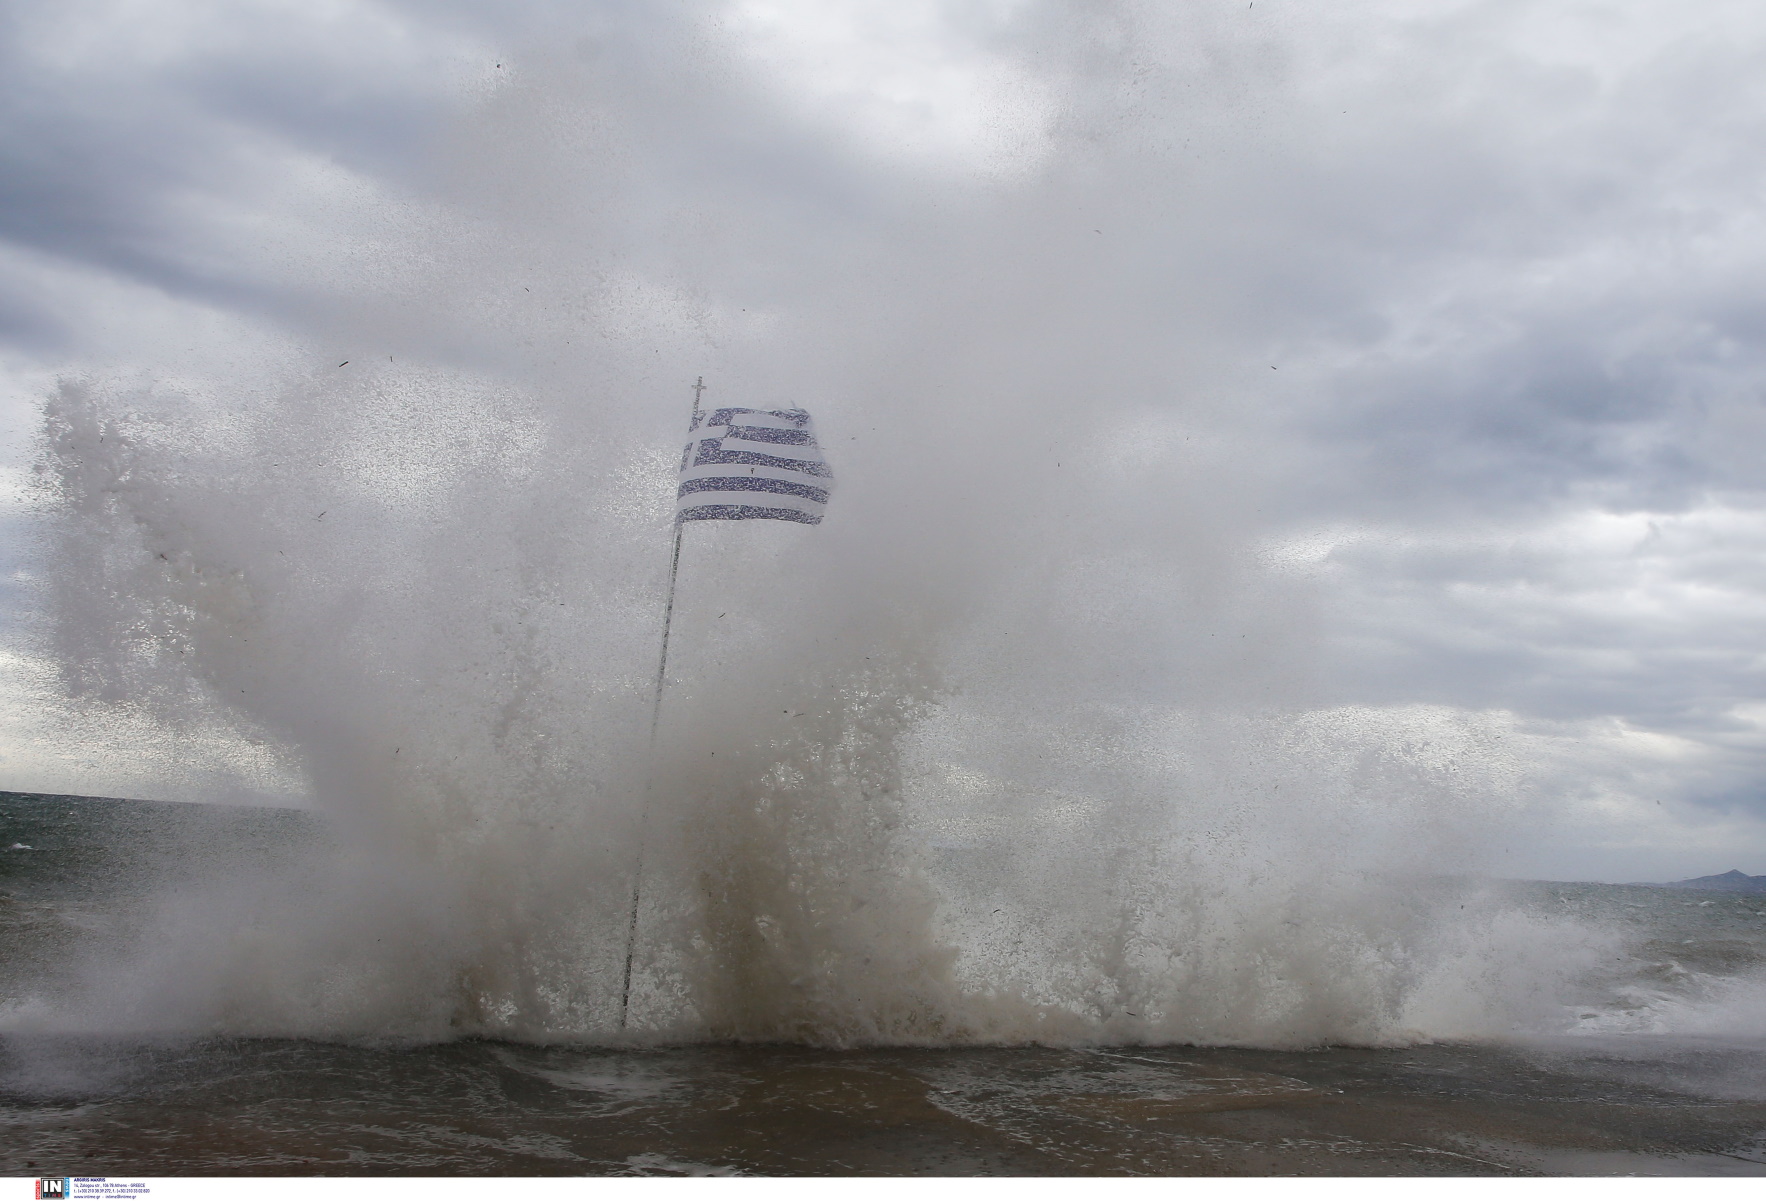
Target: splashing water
pixel 1022 744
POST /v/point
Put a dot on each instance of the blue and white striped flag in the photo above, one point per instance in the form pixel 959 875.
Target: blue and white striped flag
pixel 744 464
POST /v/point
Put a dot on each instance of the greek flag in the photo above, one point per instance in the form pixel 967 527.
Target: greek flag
pixel 752 463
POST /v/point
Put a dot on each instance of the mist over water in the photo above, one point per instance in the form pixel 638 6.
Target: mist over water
pixel 1026 742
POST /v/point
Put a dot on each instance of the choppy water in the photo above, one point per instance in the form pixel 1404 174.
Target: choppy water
pixel 289 1107
pixel 1653 1068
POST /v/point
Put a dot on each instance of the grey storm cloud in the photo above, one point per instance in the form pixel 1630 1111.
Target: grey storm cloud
pixel 108 152
pixel 1484 280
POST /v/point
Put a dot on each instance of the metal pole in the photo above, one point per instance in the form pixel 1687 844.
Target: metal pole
pixel 668 613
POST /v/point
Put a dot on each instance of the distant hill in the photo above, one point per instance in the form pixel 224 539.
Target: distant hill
pixel 1730 881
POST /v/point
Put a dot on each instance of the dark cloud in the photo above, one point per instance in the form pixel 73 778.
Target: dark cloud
pixel 1466 288
pixel 115 156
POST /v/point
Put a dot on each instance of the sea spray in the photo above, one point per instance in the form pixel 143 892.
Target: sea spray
pixel 1025 742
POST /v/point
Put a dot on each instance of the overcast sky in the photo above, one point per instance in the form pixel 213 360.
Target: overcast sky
pixel 1496 268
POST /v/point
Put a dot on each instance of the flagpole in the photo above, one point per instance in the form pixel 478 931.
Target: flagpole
pixel 668 613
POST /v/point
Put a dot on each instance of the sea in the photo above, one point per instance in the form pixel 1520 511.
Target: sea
pixel 1633 1081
